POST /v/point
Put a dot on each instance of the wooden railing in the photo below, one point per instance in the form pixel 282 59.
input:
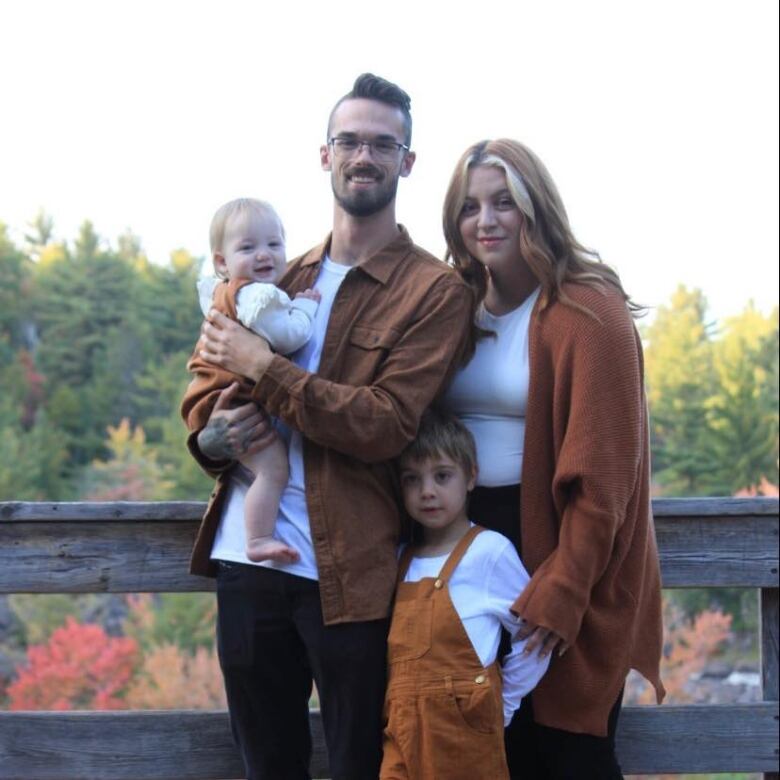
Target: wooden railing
pixel 144 547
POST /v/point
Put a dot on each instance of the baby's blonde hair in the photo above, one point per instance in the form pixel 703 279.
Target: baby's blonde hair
pixel 237 208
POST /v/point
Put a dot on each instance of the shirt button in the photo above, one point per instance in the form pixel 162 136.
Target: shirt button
pixel 438 584
pixel 479 679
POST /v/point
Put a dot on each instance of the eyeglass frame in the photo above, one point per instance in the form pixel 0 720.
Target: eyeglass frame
pixel 370 144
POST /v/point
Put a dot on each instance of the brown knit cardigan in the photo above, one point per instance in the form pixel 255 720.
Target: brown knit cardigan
pixel 587 528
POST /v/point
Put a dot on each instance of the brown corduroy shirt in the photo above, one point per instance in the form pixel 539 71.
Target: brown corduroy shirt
pixel 588 538
pixel 397 330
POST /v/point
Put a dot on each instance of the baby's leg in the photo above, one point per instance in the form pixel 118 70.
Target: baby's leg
pixel 261 505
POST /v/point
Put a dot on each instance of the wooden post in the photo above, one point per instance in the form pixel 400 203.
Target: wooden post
pixel 769 655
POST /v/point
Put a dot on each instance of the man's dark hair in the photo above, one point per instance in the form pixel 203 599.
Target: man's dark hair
pixel 371 87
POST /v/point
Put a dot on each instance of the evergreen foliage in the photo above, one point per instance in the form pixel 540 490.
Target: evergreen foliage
pixel 91 336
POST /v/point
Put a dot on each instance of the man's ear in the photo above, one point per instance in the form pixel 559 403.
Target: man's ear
pixel 325 161
pixel 220 265
pixel 408 163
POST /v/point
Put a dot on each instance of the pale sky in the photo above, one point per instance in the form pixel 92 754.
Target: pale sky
pixel 658 120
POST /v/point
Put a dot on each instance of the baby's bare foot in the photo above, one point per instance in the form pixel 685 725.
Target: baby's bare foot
pixel 266 548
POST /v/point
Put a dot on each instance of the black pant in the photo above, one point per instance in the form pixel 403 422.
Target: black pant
pixel 272 642
pixel 537 752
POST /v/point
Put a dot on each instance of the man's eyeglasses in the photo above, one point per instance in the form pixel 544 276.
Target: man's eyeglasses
pixel 381 149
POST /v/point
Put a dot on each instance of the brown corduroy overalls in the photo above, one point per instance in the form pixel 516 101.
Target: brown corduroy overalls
pixel 443 710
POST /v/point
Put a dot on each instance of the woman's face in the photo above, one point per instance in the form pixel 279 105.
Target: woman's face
pixel 490 220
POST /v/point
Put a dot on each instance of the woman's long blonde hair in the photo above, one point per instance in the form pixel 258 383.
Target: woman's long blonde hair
pixel 547 243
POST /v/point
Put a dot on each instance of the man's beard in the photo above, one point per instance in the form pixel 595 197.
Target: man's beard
pixel 365 203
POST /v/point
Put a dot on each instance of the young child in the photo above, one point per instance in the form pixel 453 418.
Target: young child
pixel 248 251
pixel 446 708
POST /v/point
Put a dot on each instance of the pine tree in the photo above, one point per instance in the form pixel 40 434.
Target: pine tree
pixel 743 412
pixel 680 379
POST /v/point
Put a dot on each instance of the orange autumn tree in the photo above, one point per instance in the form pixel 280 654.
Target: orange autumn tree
pixel 79 667
pixel 171 678
pixel 689 644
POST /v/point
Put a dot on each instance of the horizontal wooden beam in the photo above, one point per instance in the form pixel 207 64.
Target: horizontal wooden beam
pixel 197 745
pixel 123 547
pixel 699 738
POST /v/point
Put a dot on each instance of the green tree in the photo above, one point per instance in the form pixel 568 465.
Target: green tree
pixel 15 273
pixel 32 459
pixel 39 234
pixel 132 472
pixel 680 379
pixel 743 411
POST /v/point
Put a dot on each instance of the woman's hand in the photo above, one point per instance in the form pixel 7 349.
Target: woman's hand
pixel 230 345
pixel 545 639
pixel 232 433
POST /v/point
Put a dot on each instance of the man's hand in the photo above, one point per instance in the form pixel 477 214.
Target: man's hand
pixel 230 345
pixel 232 433
pixel 541 638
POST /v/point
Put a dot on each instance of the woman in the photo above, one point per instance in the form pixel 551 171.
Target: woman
pixel 554 397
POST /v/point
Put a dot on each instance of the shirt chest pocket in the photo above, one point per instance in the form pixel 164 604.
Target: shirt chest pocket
pixel 368 349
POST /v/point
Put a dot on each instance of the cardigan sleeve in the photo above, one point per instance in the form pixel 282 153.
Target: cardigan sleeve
pixel 598 404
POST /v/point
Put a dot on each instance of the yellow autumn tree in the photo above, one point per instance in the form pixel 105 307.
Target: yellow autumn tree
pixel 172 679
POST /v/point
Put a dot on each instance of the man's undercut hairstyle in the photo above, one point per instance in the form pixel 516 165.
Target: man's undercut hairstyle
pixel 371 87
pixel 441 433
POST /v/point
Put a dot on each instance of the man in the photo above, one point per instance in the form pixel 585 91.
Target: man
pixel 390 328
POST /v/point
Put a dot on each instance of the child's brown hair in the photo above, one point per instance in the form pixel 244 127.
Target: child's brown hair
pixel 441 433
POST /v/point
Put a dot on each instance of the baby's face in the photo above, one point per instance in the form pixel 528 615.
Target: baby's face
pixel 253 249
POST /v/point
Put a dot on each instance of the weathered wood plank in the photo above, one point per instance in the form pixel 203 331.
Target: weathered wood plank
pixel 770 616
pixel 722 551
pixel 698 738
pixel 57 548
pixel 121 556
pixel 174 745
pixel 718 506
pixel 104 511
pixel 31 511
pixel 198 746
pixel 770 685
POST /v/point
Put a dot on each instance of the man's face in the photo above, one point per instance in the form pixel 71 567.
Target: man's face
pixel 364 183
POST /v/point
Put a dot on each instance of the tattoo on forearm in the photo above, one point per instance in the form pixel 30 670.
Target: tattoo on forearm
pixel 214 442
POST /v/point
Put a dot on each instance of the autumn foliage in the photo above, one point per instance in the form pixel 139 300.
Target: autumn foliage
pixel 79 667
pixel 172 679
pixel 689 645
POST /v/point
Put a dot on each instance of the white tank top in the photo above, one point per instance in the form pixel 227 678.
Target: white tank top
pixel 490 394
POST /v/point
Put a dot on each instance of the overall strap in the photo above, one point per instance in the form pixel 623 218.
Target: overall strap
pixel 459 551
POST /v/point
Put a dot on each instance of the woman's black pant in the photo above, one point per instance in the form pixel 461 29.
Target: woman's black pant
pixel 536 752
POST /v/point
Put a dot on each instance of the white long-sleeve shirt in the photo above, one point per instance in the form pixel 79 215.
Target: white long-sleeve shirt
pixel 483 587
pixel 285 324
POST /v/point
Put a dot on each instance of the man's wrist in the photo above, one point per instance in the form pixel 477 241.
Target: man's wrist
pixel 261 364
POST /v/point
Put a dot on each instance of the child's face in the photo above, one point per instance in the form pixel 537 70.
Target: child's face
pixel 253 248
pixel 435 491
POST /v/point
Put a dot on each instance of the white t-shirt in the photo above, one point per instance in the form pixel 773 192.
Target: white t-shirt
pixel 490 394
pixel 483 587
pixel 292 525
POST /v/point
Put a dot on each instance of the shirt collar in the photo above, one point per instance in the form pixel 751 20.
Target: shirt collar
pixel 379 266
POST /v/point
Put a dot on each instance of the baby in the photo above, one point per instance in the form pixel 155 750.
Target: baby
pixel 248 251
